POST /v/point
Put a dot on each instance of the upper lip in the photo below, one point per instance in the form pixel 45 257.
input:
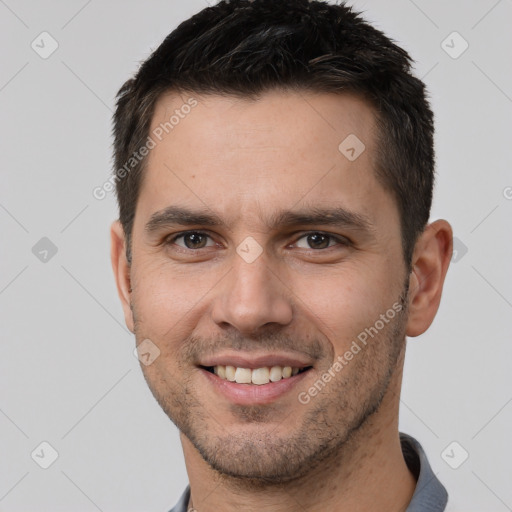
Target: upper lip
pixel 256 360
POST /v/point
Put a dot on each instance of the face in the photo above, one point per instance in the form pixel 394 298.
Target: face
pixel 266 259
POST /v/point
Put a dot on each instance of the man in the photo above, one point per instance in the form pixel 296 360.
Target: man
pixel 274 177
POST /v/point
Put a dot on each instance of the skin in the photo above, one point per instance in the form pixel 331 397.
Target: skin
pixel 246 161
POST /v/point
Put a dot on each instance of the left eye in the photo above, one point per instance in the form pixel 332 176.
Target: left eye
pixel 318 241
pixel 193 240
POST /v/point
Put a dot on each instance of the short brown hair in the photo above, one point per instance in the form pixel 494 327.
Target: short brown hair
pixel 244 48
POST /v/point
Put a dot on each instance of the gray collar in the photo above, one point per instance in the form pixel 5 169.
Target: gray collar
pixel 429 495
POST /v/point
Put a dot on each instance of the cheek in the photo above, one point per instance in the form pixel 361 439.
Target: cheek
pixel 343 304
pixel 168 302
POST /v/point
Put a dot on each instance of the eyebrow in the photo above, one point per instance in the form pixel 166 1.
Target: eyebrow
pixel 174 215
pixel 341 217
pixel 321 216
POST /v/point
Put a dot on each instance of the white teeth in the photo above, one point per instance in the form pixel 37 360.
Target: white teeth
pixel 243 376
pixel 276 373
pixel 287 372
pixel 258 376
pixel 221 371
pixel 230 373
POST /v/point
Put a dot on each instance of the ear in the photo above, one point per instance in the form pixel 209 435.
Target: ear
pixel 431 258
pixel 121 269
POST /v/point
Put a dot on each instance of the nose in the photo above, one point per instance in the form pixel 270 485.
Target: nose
pixel 252 297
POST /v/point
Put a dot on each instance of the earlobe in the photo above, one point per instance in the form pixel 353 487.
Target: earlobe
pixel 431 258
pixel 121 269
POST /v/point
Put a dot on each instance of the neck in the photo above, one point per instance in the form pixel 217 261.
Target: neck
pixel 369 474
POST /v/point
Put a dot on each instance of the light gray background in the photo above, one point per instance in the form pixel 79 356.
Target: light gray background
pixel 67 372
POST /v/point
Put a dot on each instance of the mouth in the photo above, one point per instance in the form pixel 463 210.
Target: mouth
pixel 256 379
pixel 255 376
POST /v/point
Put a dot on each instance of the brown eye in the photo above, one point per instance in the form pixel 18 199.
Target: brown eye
pixel 192 240
pixel 318 241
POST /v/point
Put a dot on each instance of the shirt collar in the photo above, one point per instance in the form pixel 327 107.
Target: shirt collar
pixel 429 495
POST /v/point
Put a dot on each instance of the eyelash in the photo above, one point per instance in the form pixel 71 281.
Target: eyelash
pixel 342 241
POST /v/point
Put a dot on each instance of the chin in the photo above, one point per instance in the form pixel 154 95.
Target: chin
pixel 259 458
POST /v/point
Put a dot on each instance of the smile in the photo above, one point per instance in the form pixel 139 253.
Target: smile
pixel 255 376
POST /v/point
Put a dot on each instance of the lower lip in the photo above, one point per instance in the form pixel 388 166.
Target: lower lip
pixel 252 394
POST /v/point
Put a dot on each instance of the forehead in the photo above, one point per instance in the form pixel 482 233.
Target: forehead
pixel 278 117
pixel 242 157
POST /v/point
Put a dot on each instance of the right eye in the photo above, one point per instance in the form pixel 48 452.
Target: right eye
pixel 192 240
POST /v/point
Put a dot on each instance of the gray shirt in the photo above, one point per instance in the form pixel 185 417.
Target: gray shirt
pixel 429 495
